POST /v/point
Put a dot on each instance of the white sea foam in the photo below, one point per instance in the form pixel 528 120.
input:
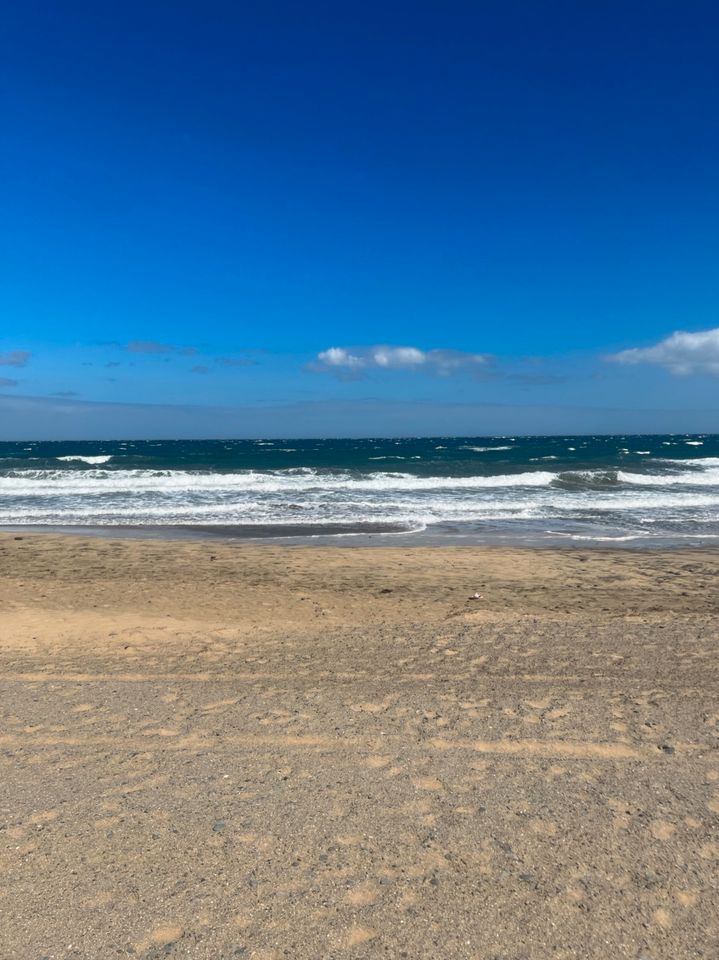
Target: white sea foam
pixel 693 478
pixel 695 461
pixel 594 537
pixel 672 492
pixel 91 460
pixel 104 482
pixel 319 507
pixel 483 449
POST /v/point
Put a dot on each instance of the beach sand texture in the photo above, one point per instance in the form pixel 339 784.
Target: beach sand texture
pixel 212 750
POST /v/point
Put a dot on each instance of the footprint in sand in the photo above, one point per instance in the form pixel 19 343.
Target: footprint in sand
pixel 408 900
pixel 558 713
pixel 709 851
pixel 102 899
pixel 107 823
pixel 574 894
pixel 348 840
pixel 376 762
pixel 543 828
pixel 161 936
pixel 662 829
pixel 357 936
pixel 219 705
pixel 43 817
pixel 428 783
pixel 686 898
pixel 369 707
pixel 363 895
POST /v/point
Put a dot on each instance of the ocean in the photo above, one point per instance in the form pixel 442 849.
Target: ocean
pixel 621 490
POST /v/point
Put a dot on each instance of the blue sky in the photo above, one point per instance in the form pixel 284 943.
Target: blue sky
pixel 202 201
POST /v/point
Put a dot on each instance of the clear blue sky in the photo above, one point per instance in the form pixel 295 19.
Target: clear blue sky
pixel 516 190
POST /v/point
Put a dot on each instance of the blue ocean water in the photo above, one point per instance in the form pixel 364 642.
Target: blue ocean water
pixel 634 490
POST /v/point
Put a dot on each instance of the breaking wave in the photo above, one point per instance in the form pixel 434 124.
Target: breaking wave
pixel 92 460
pixel 311 495
pixel 623 489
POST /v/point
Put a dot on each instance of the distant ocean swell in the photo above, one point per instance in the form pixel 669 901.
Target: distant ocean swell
pixel 599 489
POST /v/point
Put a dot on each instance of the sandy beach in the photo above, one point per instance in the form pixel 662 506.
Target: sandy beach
pixel 213 750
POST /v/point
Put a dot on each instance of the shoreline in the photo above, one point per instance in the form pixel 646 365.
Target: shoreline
pixel 362 535
pixel 271 579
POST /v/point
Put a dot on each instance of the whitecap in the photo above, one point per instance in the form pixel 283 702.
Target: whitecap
pixel 103 482
pixel 484 449
pixel 90 460
pixel 693 461
pixel 691 478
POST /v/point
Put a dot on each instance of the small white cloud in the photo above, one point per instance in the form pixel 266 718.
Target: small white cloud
pixel 355 360
pixel 339 357
pixel 681 353
pixel 446 361
pixel 397 357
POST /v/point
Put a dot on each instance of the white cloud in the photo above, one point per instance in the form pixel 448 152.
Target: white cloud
pixel 681 353
pixel 339 357
pixel 397 357
pixel 356 360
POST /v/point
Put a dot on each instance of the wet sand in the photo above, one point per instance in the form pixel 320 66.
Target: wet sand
pixel 212 750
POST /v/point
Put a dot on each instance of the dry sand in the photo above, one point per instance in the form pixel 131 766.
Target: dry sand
pixel 218 751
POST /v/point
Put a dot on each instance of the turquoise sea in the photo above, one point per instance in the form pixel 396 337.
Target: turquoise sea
pixel 622 490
